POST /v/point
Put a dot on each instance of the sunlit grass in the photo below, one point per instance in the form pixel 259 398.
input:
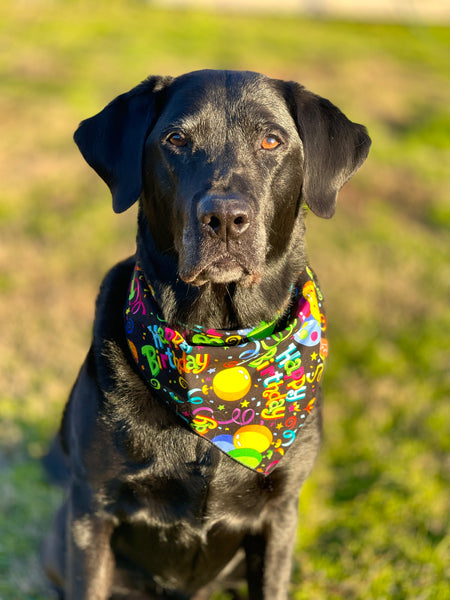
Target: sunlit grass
pixel 374 515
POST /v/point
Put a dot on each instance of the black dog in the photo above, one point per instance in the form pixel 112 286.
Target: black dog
pixel 222 163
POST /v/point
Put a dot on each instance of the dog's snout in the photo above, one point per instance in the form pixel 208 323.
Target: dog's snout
pixel 228 218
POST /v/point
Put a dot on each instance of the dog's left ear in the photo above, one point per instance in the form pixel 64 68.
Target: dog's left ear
pixel 112 142
pixel 334 148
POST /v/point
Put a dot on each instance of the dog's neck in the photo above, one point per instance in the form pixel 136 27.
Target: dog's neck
pixel 218 306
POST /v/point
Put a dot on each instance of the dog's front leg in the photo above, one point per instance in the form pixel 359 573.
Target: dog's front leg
pixel 90 560
pixel 269 556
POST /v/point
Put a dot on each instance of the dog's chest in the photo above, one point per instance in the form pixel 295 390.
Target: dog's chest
pixel 198 495
pixel 193 517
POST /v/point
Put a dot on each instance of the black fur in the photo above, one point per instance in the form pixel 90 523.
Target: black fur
pixel 153 510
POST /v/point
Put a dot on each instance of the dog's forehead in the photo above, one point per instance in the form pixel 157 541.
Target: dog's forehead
pixel 226 98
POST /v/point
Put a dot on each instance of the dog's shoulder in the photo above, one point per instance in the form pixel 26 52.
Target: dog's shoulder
pixel 109 359
pixel 108 323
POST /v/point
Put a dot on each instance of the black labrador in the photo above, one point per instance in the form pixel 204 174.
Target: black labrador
pixel 223 164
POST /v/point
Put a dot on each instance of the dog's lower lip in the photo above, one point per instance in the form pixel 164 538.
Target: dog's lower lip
pixel 224 262
pixel 222 269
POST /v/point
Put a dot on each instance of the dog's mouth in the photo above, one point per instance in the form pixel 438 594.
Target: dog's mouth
pixel 222 269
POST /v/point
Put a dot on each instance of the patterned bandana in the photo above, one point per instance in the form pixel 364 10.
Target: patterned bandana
pixel 249 391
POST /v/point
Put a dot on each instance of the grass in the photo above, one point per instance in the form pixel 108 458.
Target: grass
pixel 374 514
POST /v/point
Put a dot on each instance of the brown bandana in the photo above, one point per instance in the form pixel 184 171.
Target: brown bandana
pixel 249 391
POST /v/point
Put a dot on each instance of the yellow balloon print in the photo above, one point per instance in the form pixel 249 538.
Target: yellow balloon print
pixel 309 292
pixel 232 384
pixel 257 437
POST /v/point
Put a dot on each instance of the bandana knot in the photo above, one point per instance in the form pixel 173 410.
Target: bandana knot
pixel 249 391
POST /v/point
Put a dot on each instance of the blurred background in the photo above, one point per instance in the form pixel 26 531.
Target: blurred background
pixel 374 514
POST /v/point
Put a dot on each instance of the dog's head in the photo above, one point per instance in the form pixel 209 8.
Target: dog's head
pixel 223 161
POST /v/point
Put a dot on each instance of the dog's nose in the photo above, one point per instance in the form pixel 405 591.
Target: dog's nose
pixel 228 218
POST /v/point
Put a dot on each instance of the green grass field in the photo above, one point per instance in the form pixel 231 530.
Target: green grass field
pixel 375 512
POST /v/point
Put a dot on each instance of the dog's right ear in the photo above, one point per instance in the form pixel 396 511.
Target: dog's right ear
pixel 112 142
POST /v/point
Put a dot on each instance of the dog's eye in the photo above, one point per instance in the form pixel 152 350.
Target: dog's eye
pixel 177 139
pixel 270 142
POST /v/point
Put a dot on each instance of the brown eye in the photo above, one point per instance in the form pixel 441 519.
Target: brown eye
pixel 270 142
pixel 177 139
